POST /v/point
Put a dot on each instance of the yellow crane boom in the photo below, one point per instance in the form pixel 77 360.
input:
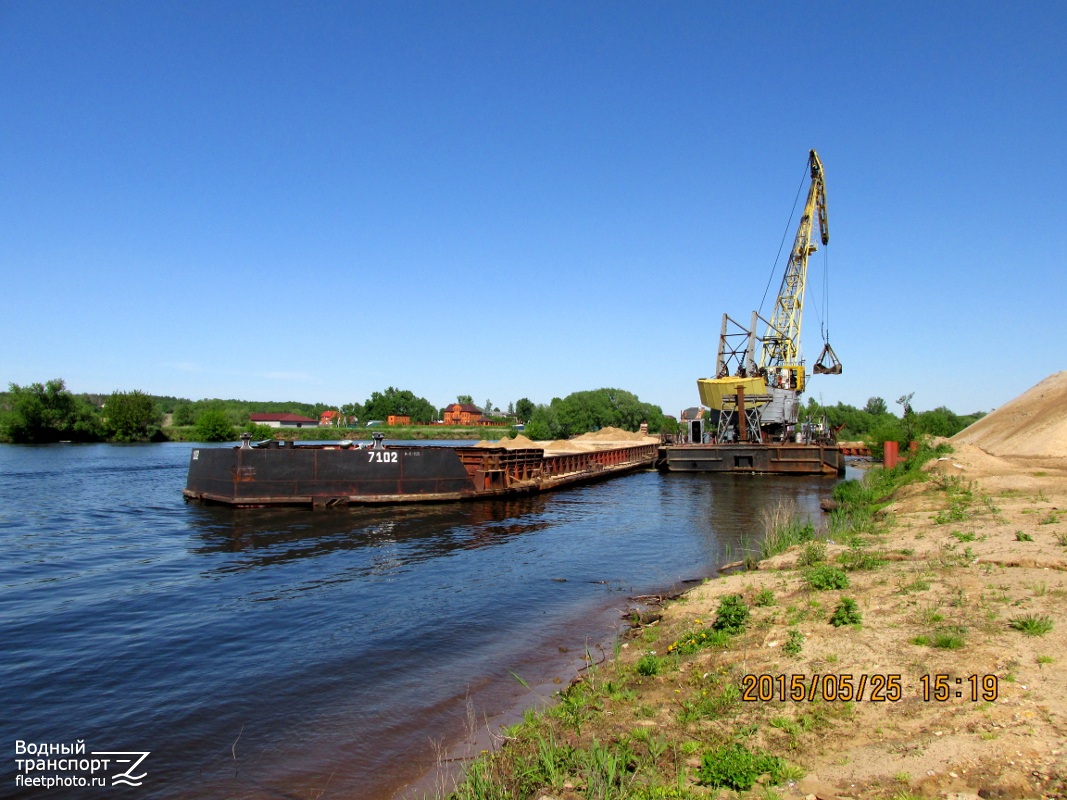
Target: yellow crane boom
pixel 781 343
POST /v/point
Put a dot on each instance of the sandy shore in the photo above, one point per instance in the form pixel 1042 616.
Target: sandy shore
pixel 957 702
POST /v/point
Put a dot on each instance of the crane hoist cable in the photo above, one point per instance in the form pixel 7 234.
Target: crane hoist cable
pixel 827 363
pixel 785 236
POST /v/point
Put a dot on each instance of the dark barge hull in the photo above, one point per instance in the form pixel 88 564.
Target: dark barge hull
pixel 329 475
pixel 774 459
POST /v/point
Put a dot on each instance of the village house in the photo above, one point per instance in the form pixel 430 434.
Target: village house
pixel 464 414
pixel 335 419
pixel 277 420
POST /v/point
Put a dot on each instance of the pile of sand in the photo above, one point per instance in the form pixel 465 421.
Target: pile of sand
pixel 596 440
pixel 563 445
pixel 519 442
pixel 1033 424
pixel 610 434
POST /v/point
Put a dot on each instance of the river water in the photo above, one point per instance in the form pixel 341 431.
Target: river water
pixel 295 654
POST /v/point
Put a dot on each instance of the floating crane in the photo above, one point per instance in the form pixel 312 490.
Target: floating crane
pixel 759 402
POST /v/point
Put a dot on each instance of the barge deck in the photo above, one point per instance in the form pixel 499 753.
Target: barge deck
pixel 324 476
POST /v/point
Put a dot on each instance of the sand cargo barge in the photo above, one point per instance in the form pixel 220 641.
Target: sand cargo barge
pixel 337 475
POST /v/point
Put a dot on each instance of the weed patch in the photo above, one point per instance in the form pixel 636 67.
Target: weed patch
pixel 857 557
pixel 949 637
pixel 692 641
pixel 763 598
pixel 824 577
pixel 846 613
pixel 812 554
pixel 794 642
pixel 1032 624
pixel 721 697
pixel 649 664
pixel 734 766
pixel 732 615
pixel 784 527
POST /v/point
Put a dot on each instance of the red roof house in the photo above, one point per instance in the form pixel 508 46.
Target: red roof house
pixel 464 414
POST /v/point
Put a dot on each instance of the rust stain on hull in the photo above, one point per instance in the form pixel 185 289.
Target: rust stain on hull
pixel 771 459
pixel 325 476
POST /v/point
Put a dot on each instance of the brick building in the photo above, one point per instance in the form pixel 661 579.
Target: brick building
pixel 464 414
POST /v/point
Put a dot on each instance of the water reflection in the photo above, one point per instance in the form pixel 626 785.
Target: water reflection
pixel 265 537
pixel 726 514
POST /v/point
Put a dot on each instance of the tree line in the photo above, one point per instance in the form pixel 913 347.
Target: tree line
pixel 49 412
pixel 591 410
pixel 876 424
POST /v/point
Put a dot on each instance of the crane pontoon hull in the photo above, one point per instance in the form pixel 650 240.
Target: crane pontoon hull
pixel 774 459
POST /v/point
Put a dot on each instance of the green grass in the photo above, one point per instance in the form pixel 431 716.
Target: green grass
pixel 794 642
pixel 824 577
pixel 1032 624
pixel 920 584
pixel 732 615
pixel 948 637
pixel 931 616
pixel 784 527
pixel 763 598
pixel 846 613
pixel 947 640
pixel 734 766
pixel 1020 536
pixel 859 558
pixel 956 512
pixel 812 554
pixel 695 640
pixel 721 698
pixel 649 664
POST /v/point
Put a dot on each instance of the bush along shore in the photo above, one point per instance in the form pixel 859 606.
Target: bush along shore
pixel 907 648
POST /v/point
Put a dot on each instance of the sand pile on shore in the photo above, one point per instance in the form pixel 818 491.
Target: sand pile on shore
pixel 1033 424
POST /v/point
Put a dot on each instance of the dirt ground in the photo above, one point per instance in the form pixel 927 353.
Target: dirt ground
pixel 982 543
pixel 979 545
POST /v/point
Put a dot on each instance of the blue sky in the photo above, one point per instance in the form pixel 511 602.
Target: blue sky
pixel 314 201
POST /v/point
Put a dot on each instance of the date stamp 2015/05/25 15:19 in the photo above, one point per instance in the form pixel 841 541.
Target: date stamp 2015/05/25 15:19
pixel 867 687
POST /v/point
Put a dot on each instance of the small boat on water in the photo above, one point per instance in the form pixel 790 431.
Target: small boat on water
pixel 335 475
